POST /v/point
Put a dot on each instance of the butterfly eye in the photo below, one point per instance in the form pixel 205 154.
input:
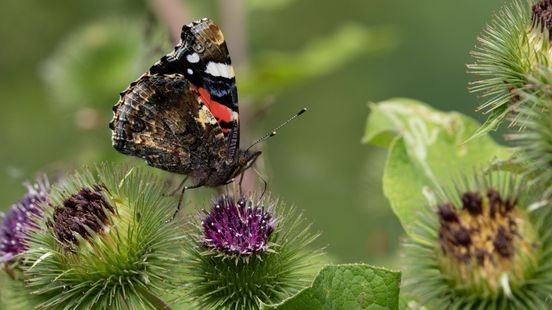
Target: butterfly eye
pixel 198 48
pixel 137 126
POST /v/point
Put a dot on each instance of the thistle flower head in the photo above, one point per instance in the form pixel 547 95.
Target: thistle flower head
pixel 482 245
pixel 246 252
pixel 482 241
pixel 105 243
pixel 232 227
pixel 20 218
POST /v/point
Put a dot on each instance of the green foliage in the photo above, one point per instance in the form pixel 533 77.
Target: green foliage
pixel 349 287
pixel 455 254
pixel 427 151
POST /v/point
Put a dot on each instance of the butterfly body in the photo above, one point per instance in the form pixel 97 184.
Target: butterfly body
pixel 182 115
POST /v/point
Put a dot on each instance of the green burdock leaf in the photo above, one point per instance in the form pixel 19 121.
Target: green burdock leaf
pixel 349 287
pixel 427 150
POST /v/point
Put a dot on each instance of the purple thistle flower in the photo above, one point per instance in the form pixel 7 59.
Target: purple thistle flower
pixel 21 218
pixel 236 229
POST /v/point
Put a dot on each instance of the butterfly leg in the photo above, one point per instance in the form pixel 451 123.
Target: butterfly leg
pixel 265 183
pixel 240 183
pixel 178 188
pixel 264 188
pixel 181 198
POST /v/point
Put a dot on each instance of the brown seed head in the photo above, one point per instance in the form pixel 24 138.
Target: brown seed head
pixel 83 213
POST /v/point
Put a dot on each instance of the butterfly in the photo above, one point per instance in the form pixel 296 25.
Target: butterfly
pixel 182 115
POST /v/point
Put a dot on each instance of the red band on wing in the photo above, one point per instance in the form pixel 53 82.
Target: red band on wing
pixel 219 111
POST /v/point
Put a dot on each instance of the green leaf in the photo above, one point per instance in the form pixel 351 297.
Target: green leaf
pixel 355 286
pixel 427 152
pixel 380 128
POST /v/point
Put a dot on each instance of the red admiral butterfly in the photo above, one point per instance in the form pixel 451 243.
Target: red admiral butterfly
pixel 182 115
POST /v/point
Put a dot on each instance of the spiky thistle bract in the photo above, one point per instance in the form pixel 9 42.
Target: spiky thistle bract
pixel 484 245
pixel 105 243
pixel 244 252
pixel 533 138
pixel 511 48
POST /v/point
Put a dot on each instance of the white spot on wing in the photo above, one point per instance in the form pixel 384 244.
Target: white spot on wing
pixel 190 71
pixel 220 69
pixel 193 58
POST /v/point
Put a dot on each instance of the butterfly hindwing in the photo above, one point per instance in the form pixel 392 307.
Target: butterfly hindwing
pixel 162 119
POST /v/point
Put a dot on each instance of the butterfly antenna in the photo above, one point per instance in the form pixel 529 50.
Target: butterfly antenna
pixel 272 133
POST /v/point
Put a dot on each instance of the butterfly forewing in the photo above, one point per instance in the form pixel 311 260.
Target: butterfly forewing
pixel 202 56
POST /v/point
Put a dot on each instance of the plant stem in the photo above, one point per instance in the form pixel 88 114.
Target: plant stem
pixel 173 14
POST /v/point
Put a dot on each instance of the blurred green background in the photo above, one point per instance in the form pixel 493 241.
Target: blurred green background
pixel 63 64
